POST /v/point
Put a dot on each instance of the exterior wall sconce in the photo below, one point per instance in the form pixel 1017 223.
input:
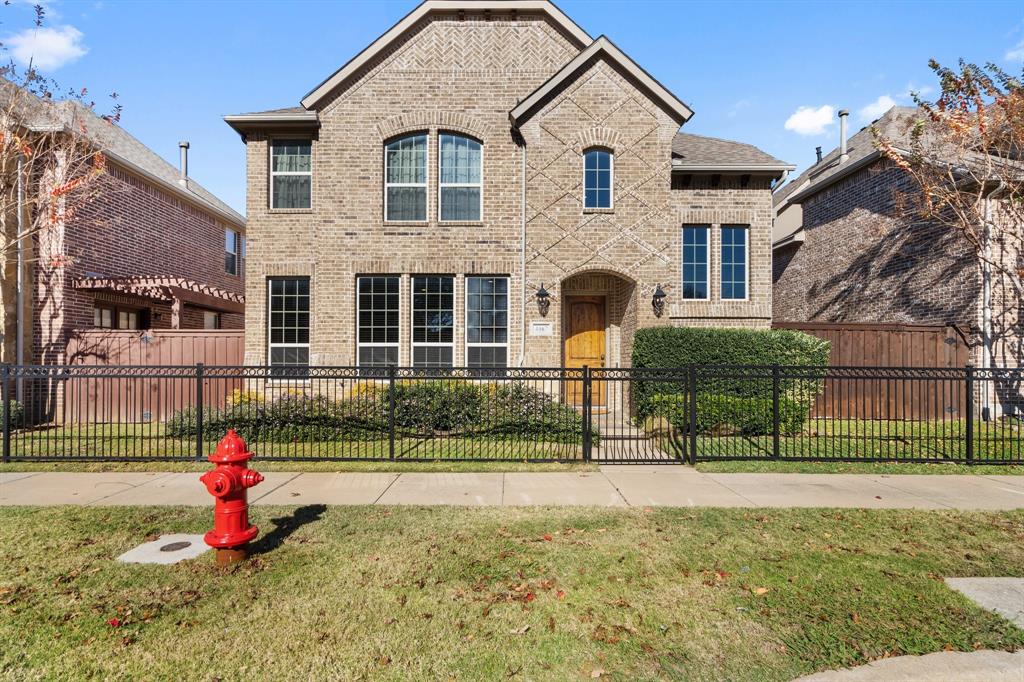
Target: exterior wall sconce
pixel 543 300
pixel 658 301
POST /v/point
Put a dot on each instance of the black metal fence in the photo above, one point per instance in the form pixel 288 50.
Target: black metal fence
pixel 670 415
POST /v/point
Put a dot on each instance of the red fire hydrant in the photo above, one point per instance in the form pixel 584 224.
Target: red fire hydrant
pixel 228 482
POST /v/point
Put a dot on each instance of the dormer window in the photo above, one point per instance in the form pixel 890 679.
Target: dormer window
pixel 461 178
pixel 405 179
pixel 597 179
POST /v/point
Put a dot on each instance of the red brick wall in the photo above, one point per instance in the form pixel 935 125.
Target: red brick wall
pixel 132 228
pixel 862 261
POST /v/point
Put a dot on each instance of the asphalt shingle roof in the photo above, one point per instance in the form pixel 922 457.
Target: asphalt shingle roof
pixel 697 150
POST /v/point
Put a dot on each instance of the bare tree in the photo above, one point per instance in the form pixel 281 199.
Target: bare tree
pixel 49 170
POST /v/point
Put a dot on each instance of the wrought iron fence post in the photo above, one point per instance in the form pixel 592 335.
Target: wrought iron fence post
pixel 692 418
pixel 199 411
pixel 7 411
pixel 775 412
pixel 391 411
pixel 969 380
pixel 587 445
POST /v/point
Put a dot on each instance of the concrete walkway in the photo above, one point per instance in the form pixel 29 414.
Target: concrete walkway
pixel 612 486
pixel 944 666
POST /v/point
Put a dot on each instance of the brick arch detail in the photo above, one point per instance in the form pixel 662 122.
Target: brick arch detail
pixel 599 136
pixel 455 121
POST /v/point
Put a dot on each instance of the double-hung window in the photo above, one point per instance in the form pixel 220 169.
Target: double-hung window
pixel 289 322
pixel 597 178
pixel 460 178
pixel 734 262
pixel 231 247
pixel 433 320
pixel 405 179
pixel 291 174
pixel 377 320
pixel 487 321
pixel 695 262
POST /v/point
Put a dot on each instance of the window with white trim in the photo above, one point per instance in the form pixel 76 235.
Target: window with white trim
pixel 288 321
pixel 211 319
pixel 734 262
pixel 433 320
pixel 597 178
pixel 460 178
pixel 231 244
pixel 291 174
pixel 486 321
pixel 377 320
pixel 695 262
pixel 405 179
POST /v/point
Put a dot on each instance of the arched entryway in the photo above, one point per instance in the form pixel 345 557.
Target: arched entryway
pixel 598 321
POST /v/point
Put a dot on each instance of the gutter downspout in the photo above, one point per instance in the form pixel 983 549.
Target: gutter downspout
pixel 522 262
pixel 19 342
pixel 988 359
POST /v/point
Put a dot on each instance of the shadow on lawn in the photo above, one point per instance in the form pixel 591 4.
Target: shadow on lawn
pixel 284 526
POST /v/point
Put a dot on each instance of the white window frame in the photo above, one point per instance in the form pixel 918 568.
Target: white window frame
pixel 746 261
pixel 273 173
pixel 388 344
pixel 611 179
pixel 270 311
pixel 233 253
pixel 425 184
pixel 413 343
pixel 441 185
pixel 508 320
pixel 707 261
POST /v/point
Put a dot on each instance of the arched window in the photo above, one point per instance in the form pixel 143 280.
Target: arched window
pixel 461 178
pixel 597 178
pixel 405 178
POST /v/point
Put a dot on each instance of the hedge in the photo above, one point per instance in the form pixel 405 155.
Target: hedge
pixel 726 415
pixel 702 347
pixel 17 413
pixel 422 409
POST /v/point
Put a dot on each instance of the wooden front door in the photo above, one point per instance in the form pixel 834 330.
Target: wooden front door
pixel 584 342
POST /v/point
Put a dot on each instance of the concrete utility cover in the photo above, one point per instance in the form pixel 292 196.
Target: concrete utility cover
pixel 167 549
pixel 1005 596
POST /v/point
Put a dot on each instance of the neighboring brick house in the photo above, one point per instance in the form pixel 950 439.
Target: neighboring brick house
pixel 845 251
pixel 423 199
pixel 151 249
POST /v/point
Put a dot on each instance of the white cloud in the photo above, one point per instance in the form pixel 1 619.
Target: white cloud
pixel 47 48
pixel 739 106
pixel 921 90
pixel 810 120
pixel 1015 53
pixel 872 111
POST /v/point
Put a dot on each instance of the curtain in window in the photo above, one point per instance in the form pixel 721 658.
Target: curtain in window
pixel 406 178
pixel 291 174
pixel 460 165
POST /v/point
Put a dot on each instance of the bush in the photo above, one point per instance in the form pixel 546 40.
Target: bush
pixel 719 414
pixel 686 346
pixel 17 414
pixel 422 408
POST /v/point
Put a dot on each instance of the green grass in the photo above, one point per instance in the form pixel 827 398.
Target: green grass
pixel 548 594
pixel 778 467
pixel 440 466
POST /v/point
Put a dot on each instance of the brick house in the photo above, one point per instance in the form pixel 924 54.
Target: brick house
pixel 152 249
pixel 488 185
pixel 844 251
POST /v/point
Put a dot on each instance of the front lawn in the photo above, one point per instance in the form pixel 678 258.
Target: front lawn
pixel 442 593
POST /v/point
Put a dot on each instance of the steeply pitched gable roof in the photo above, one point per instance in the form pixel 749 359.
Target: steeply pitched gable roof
pixel 600 48
pixel 698 153
pixel 570 27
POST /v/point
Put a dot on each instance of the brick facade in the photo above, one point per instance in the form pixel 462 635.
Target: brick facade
pixel 464 74
pixel 132 228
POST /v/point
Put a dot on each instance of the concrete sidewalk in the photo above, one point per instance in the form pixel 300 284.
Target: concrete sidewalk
pixel 612 486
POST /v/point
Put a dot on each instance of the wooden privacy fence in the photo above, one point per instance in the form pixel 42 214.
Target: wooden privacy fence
pixel 144 399
pixel 890 345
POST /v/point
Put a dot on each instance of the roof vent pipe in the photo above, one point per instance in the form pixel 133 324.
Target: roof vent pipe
pixel 817 150
pixel 183 148
pixel 843 155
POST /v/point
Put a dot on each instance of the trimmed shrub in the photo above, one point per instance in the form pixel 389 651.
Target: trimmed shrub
pixel 422 408
pixel 719 414
pixel 703 347
pixel 17 414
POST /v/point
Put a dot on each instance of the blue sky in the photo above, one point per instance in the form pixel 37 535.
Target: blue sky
pixel 746 68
